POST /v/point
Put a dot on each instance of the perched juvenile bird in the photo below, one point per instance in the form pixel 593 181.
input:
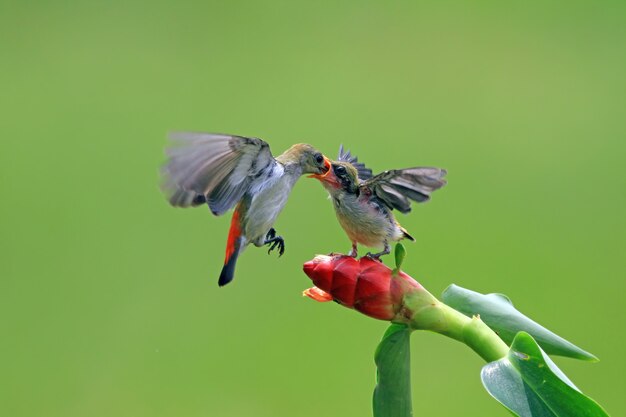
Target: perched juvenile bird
pixel 226 171
pixel 364 203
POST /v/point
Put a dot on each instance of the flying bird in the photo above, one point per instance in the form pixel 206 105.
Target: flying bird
pixel 364 203
pixel 226 171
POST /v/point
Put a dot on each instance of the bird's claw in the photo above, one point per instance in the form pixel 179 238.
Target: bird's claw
pixel 375 256
pixel 275 242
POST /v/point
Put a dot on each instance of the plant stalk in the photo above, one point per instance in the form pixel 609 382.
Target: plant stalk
pixel 428 313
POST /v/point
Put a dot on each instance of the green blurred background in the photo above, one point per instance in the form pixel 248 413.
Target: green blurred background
pixel 109 299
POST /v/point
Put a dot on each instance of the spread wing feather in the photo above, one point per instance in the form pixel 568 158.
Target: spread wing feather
pixel 396 188
pixel 364 172
pixel 217 166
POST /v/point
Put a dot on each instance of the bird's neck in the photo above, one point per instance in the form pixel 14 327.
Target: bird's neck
pixel 291 159
pixel 293 169
pixel 332 188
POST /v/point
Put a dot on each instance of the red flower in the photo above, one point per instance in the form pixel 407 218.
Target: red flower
pixel 364 284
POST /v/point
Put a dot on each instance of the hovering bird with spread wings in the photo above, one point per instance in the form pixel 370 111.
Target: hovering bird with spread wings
pixel 364 203
pixel 226 171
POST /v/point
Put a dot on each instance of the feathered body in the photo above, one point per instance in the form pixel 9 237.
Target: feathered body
pixel 363 203
pixel 226 171
pixel 365 219
pixel 266 200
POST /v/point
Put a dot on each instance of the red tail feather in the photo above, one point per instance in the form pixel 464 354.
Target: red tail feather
pixel 233 235
pixel 232 249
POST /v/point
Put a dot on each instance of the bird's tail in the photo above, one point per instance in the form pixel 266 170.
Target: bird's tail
pixel 406 234
pixel 233 247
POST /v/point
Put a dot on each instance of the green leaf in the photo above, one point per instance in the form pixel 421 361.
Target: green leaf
pixel 529 384
pixel 400 254
pixel 497 311
pixel 392 395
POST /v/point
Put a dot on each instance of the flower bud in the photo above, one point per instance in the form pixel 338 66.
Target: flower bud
pixel 365 284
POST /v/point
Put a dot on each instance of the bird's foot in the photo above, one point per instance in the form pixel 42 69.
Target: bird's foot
pixel 275 242
pixel 353 253
pixel 376 256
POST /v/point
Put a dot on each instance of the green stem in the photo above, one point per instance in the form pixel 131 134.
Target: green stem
pixel 428 313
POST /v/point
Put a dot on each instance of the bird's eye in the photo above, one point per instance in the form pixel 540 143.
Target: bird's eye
pixel 340 170
pixel 319 158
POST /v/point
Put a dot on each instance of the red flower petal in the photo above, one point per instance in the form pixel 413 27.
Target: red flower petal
pixel 320 270
pixel 346 272
pixel 379 306
pixel 317 294
pixel 367 285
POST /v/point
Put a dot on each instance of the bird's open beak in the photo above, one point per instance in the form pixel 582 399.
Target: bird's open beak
pixel 325 173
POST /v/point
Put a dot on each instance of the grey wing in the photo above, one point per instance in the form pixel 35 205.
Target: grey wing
pixel 218 167
pixel 396 188
pixel 364 172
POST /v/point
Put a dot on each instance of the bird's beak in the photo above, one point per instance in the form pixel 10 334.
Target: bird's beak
pixel 325 173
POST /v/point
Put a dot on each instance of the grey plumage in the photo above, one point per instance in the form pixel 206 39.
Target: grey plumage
pixel 225 171
pixel 364 172
pixel 396 187
pixel 364 203
pixel 218 166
